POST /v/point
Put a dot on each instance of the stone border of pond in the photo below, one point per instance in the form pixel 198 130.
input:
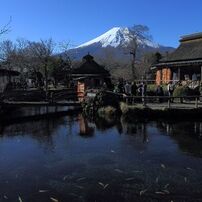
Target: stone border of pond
pixel 8 115
pixel 130 113
pixel 108 104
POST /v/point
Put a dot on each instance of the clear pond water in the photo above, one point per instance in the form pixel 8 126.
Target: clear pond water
pixel 70 159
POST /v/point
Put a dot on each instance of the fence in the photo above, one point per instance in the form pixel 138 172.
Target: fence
pixel 169 100
pixel 176 82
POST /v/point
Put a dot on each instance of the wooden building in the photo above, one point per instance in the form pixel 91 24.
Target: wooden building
pixel 184 64
pixel 90 75
pixel 6 77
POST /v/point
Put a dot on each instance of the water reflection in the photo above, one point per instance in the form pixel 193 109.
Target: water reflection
pixel 52 158
pixel 86 128
pixel 188 135
pixel 41 130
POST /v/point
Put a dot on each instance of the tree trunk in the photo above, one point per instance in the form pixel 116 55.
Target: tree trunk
pixel 133 65
pixel 46 80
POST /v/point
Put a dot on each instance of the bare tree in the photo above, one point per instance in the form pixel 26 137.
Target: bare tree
pixel 7 50
pixel 63 49
pixel 35 60
pixel 68 61
pixel 137 35
pixel 143 65
pixel 7 53
pixel 6 28
pixel 43 51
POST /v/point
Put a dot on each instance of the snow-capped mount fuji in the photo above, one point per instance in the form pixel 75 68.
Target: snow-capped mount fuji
pixel 118 36
pixel 115 41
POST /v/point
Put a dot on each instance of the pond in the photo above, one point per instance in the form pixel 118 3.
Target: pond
pixel 72 159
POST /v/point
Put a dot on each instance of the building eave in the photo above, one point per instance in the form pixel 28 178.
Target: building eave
pixel 177 63
pixel 90 75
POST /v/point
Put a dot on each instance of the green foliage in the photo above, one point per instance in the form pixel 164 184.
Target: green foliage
pixel 104 98
pixel 124 107
pixel 104 102
pixel 185 91
pixel 152 88
pixel 107 111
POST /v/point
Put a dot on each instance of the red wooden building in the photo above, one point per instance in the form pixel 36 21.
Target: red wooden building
pixel 184 64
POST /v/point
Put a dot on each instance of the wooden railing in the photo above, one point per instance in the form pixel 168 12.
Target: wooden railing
pixel 162 99
pixel 176 82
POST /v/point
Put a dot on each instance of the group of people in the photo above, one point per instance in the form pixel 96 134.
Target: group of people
pixel 131 89
pixel 140 89
pixel 170 89
pixel 160 92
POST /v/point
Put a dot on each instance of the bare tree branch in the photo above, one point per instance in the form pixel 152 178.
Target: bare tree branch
pixel 137 35
pixel 6 28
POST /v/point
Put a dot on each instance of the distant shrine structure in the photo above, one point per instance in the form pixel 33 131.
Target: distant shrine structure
pixel 91 75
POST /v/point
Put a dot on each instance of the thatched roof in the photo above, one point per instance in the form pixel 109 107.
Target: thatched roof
pixel 9 72
pixel 90 67
pixel 189 49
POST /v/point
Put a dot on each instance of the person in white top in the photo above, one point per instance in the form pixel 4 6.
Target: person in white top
pixel 170 89
pixel 127 88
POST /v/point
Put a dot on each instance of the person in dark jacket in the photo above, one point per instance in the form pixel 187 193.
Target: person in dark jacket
pixel 134 89
pixel 159 92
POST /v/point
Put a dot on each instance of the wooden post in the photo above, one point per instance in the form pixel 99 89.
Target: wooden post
pixel 127 100
pixel 200 83
pixel 179 73
pixel 161 77
pixel 201 74
pixel 168 103
pixel 196 102
pixel 51 97
pixel 144 100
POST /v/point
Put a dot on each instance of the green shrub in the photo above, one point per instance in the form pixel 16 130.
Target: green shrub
pixel 124 107
pixel 151 89
pixel 104 98
pixel 185 91
pixel 104 103
pixel 107 111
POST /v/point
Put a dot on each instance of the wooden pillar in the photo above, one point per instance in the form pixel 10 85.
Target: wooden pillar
pixel 158 76
pixel 168 103
pixel 179 73
pixel 161 75
pixel 201 74
pixel 169 75
pixel 196 102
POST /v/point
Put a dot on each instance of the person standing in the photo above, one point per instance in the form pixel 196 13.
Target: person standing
pixel 127 88
pixel 170 89
pixel 144 89
pixel 144 92
pixel 120 87
pixel 134 89
pixel 159 92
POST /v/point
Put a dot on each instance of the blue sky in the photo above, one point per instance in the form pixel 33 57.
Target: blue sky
pixel 79 21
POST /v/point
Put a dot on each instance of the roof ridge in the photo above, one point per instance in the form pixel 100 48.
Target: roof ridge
pixel 193 36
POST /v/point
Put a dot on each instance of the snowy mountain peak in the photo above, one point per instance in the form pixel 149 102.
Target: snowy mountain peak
pixel 115 37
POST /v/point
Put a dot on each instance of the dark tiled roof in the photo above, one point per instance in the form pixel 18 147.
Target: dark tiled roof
pixel 89 66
